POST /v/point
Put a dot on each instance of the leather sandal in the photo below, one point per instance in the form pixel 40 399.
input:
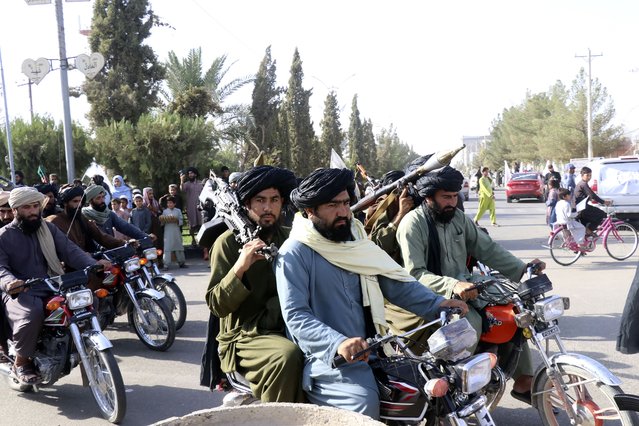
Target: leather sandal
pixel 26 374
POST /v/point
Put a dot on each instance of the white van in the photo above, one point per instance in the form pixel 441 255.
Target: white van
pixel 617 179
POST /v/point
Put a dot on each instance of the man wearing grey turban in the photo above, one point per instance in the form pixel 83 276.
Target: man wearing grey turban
pixel 31 248
pixel 6 213
pixel 436 240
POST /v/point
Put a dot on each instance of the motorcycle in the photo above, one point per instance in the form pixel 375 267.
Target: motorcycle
pixel 71 336
pixel 568 388
pixel 162 282
pixel 125 292
pixel 441 386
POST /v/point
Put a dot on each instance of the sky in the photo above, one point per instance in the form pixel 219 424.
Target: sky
pixel 436 70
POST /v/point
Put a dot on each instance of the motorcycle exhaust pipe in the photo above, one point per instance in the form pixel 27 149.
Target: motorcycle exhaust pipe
pixel 5 368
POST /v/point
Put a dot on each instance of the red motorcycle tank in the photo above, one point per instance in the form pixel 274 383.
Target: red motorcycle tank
pixel 501 323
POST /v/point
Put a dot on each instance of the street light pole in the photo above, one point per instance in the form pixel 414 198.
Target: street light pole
pixel 589 101
pixel 64 82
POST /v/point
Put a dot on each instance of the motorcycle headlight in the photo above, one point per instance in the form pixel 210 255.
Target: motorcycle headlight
pixel 132 265
pixel 453 341
pixel 549 308
pixel 79 299
pixel 150 253
pixel 474 373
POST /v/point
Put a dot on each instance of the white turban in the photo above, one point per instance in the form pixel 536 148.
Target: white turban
pixel 4 197
pixel 22 196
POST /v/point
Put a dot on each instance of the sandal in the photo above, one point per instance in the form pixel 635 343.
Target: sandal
pixel 522 396
pixel 26 374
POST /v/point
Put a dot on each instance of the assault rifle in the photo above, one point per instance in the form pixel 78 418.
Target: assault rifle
pixel 436 161
pixel 229 211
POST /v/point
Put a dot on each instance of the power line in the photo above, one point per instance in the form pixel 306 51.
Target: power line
pixel 589 99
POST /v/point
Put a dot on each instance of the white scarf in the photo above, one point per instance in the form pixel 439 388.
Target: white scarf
pixel 361 256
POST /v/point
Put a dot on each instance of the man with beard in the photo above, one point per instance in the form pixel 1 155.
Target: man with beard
pixel 436 241
pixel 104 218
pixel 81 231
pixel 31 248
pixel 332 282
pixel 243 294
pixel 51 193
pixel 192 188
pixel 6 213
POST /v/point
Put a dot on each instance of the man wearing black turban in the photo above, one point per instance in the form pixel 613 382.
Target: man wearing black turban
pixel 243 294
pixel 83 232
pixel 436 239
pixel 332 282
pixel 51 193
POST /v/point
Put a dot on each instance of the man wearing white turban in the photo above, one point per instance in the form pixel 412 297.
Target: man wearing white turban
pixel 31 248
pixel 6 214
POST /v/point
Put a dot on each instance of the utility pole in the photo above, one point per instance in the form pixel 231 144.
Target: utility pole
pixel 7 123
pixel 589 99
pixel 29 83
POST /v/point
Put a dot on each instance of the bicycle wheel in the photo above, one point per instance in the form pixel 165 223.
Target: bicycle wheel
pixel 621 241
pixel 560 249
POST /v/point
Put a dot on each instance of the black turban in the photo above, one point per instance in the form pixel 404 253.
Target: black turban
pixel 69 192
pixel 192 169
pixel 45 188
pixel 390 177
pixel 447 178
pixel 259 178
pixel 322 186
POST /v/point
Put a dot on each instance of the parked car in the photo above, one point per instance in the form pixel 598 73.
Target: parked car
pixel 525 185
pixel 617 179
pixel 473 183
pixel 465 191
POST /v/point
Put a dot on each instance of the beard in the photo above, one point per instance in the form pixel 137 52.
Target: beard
pixel 31 224
pixel 333 232
pixel 99 207
pixel 444 215
pixel 5 222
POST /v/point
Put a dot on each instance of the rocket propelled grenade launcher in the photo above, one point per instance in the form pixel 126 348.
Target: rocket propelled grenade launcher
pixel 436 161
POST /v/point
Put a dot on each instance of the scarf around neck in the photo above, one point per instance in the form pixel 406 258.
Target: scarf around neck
pixel 360 256
pixel 93 214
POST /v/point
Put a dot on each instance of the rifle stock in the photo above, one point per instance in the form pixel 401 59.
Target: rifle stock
pixel 436 161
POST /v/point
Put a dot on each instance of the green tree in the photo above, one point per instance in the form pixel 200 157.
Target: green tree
pixel 300 127
pixel 153 150
pixel 41 143
pixel 332 133
pixel 128 85
pixel 370 147
pixel 356 144
pixel 392 153
pixel 264 109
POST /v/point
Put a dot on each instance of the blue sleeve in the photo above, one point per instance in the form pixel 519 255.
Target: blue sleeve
pixel 126 228
pixel 293 275
pixel 412 296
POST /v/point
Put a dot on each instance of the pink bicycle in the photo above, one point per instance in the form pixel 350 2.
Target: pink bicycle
pixel 619 239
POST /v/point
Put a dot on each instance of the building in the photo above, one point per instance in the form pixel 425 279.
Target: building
pixel 474 145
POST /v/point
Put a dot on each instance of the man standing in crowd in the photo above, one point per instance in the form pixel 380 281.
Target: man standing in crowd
pixel 192 189
pixel 6 213
pixel 569 179
pixel 243 294
pixel 332 282
pixel 486 198
pixel 174 191
pixel 81 231
pixel 104 218
pixel 552 174
pixel 19 179
pixel 436 240
pixel 51 193
pixel 31 248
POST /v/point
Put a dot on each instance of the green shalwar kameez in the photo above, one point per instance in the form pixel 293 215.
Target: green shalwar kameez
pixel 252 335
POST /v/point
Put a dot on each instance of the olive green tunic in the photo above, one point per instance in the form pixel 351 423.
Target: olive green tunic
pixel 252 334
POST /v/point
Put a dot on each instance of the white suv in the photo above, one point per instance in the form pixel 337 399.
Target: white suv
pixel 617 179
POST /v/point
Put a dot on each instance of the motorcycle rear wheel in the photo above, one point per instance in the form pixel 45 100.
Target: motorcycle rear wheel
pixel 172 290
pixel 589 397
pixel 560 250
pixel 160 333
pixel 108 388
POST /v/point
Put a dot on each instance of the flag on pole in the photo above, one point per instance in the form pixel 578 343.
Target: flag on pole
pixel 336 161
pixel 43 174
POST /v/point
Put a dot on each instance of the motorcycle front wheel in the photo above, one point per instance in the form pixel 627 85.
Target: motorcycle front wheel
pixel 159 332
pixel 173 292
pixel 591 399
pixel 108 387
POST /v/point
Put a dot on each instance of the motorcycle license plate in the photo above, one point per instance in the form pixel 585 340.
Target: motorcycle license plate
pixel 551 331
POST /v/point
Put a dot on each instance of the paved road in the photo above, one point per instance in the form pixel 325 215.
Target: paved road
pixel 161 385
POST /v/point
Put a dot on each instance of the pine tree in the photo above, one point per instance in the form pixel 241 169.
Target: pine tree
pixel 300 127
pixel 370 148
pixel 356 148
pixel 266 101
pixel 332 134
pixel 129 84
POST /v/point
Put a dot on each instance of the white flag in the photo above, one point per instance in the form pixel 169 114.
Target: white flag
pixel 336 161
pixel 507 174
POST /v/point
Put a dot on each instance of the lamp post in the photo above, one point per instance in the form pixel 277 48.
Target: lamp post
pixel 64 83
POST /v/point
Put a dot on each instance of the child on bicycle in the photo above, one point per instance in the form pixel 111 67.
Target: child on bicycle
pixel 565 216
